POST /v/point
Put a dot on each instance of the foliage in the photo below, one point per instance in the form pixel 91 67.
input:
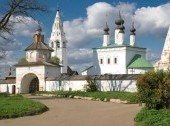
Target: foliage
pixel 153 117
pixel 154 89
pixel 129 97
pixel 22 60
pixel 91 84
pixel 55 60
pixel 14 9
pixel 17 106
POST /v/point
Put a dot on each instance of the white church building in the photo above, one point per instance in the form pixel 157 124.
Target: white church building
pixel 116 65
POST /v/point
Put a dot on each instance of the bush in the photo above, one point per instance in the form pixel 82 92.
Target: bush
pixel 152 117
pixel 55 60
pixel 91 85
pixel 22 60
pixel 154 89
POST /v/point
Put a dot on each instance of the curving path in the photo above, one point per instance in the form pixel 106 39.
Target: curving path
pixel 75 112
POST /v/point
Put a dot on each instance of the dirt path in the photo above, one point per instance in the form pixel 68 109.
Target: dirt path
pixel 74 112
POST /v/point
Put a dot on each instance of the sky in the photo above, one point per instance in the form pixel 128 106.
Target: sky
pixel 84 21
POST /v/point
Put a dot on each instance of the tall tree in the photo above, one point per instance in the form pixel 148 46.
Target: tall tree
pixel 13 9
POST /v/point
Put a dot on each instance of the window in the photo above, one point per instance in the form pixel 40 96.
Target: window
pixel 31 54
pixel 108 60
pixel 115 60
pixel 101 61
pixel 64 44
pixel 52 44
pixel 58 44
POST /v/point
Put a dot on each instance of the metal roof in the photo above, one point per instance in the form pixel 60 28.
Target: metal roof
pixel 139 62
pixel 38 63
pixel 8 81
pixel 39 46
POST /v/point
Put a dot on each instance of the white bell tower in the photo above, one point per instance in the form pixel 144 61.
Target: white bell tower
pixel 58 42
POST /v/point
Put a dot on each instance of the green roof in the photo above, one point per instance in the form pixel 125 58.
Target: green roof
pixel 139 62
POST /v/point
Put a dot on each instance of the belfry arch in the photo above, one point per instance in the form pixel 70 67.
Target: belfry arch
pixel 29 83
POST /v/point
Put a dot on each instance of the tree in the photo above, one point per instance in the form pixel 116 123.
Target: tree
pixel 14 8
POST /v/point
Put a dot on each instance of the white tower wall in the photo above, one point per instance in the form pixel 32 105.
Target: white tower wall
pixel 120 38
pixel 58 42
pixel 132 40
pixel 106 40
pixel 117 36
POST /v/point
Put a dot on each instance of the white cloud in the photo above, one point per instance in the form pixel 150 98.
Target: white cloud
pixel 26 27
pixel 152 20
pixel 80 58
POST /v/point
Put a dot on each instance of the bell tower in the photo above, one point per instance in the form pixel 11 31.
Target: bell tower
pixel 58 42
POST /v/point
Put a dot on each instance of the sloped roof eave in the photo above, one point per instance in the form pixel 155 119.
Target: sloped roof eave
pixel 139 62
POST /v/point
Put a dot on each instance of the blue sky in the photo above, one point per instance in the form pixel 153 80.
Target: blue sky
pixel 84 21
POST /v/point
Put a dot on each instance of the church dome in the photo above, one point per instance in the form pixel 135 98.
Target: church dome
pixel 38 28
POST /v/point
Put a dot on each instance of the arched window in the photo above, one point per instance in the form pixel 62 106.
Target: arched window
pixel 115 60
pixel 101 61
pixel 52 45
pixel 64 44
pixel 31 54
pixel 58 44
pixel 108 60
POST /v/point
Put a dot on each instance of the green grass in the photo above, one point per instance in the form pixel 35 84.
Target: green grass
pixel 130 97
pixel 153 117
pixel 17 106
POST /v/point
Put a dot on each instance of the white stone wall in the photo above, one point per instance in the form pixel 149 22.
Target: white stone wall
pixel 6 88
pixel 35 55
pixel 104 85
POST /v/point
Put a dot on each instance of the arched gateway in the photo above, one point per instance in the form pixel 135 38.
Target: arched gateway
pixel 29 83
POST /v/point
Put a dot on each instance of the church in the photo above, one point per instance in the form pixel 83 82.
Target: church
pixel 115 65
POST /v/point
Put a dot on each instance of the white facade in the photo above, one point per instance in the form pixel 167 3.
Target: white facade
pixel 35 56
pixel 114 60
pixel 164 62
pixel 58 42
pixel 24 75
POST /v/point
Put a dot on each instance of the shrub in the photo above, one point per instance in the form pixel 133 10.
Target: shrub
pixel 22 60
pixel 55 60
pixel 91 84
pixel 154 89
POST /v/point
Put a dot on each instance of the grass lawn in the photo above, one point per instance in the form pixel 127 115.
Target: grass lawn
pixel 17 106
pixel 153 117
pixel 130 97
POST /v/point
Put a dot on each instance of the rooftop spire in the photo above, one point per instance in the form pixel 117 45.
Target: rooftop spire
pixel 106 29
pixel 119 20
pixel 132 30
pixel 39 28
